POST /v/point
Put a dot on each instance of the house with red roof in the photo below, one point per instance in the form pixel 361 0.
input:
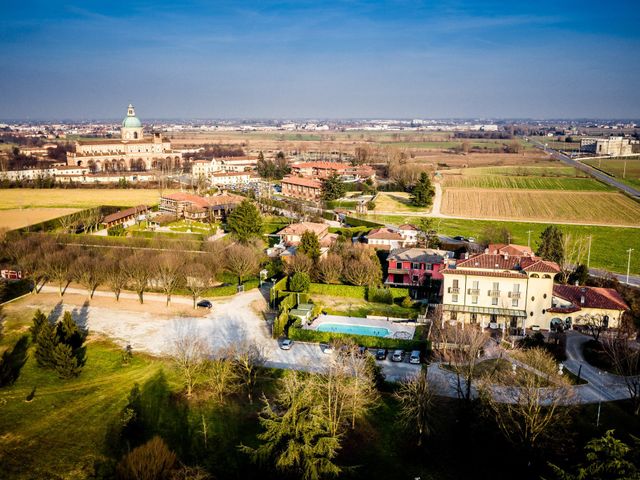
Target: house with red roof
pixel 505 287
pixel 195 207
pixel 386 238
pixel 415 267
pixel 577 305
pixel 302 188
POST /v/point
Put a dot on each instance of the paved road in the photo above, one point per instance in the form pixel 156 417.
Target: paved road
pixel 603 177
pixel 633 279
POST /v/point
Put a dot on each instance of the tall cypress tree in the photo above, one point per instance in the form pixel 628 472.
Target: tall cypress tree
pixel 45 345
pixel 550 247
pixel 422 194
pixel 66 364
pixel 39 319
pixel 70 334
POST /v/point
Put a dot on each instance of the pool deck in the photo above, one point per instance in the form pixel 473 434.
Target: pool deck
pixel 407 329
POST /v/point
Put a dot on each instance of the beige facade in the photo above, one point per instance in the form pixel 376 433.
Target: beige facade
pixel 131 152
pixel 613 146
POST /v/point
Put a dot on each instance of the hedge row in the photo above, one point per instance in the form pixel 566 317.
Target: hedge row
pixel 358 222
pixel 351 291
pixel 171 235
pixel 304 335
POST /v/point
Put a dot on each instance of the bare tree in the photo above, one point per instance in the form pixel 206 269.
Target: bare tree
pixel 573 253
pixel 242 261
pixel 222 375
pixel 595 323
pixel 139 272
pixel 169 271
pixel 189 352
pixel 88 272
pixel 196 279
pixel 416 397
pixel 530 405
pixel 626 362
pixel 298 263
pixel 463 345
pixel 115 274
pixel 248 360
pixel 59 268
pixel 330 268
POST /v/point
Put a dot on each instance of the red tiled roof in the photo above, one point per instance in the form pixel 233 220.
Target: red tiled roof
pixel 456 271
pixel 204 202
pixel 510 249
pixel 538 265
pixel 114 217
pixel 605 298
pixel 407 226
pixel 321 165
pixel 509 262
pixel 300 228
pixel 384 234
pixel 305 182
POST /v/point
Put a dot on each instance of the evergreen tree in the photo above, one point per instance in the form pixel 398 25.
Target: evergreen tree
pixel 65 362
pixel 299 282
pixel 580 275
pixel 245 221
pixel 333 188
pixel 550 247
pixel 69 333
pixel 423 192
pixel 39 319
pixel 46 342
pixel 310 245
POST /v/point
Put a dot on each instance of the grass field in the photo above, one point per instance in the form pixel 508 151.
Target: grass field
pixel 449 144
pixel 549 170
pixel 616 167
pixel 18 218
pixel 396 202
pixel 608 247
pixel 524 182
pixel 76 197
pixel 580 207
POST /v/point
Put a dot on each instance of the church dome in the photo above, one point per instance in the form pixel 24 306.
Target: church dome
pixel 131 121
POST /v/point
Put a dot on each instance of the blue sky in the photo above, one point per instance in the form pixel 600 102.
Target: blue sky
pixel 263 59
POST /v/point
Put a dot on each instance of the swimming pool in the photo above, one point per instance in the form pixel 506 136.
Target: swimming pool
pixel 353 329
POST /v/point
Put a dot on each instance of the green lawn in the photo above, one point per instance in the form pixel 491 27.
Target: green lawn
pixel 555 170
pixel 616 168
pixel 609 244
pixel 524 182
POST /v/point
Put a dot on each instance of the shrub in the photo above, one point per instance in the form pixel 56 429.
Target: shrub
pixel 150 461
pixel 380 295
pixel 117 231
pixel 406 302
pixel 299 282
pixel 350 291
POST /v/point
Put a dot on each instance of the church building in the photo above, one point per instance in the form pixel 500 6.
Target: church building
pixel 131 152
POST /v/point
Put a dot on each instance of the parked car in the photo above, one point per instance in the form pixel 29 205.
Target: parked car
pixel 381 354
pixel 398 356
pixel 204 304
pixel 415 357
pixel 326 349
pixel 286 344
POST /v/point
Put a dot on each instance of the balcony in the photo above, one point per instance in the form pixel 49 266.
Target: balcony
pixel 401 271
pixel 473 291
pixel 514 295
pixel 494 293
pixel 453 290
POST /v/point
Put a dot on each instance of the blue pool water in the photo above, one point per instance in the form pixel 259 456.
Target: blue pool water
pixel 353 329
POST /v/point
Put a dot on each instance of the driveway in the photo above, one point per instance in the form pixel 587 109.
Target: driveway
pixel 231 321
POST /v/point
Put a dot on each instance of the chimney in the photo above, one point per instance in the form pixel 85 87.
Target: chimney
pixel 506 256
pixel 577 283
pixel 582 299
pixel 486 250
pixel 466 255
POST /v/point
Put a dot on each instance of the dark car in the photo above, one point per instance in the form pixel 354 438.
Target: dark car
pixel 381 354
pixel 204 304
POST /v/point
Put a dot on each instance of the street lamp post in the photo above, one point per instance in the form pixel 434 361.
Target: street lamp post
pixel 589 252
pixel 529 238
pixel 629 264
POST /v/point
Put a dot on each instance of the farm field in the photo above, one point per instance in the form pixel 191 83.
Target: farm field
pixel 615 168
pixel 608 249
pixel 18 218
pixel 579 207
pixel 551 169
pixel 524 182
pixel 396 202
pixel 12 198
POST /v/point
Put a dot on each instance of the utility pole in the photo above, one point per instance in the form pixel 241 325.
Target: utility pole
pixel 629 264
pixel 589 252
pixel 529 238
pixel 624 170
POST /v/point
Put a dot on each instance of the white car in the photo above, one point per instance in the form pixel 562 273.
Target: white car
pixel 286 344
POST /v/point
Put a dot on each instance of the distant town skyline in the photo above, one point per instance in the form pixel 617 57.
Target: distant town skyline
pixel 324 60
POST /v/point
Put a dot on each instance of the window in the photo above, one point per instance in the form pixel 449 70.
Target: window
pixel 494 301
pixel 399 265
pixel 514 302
pixel 415 278
pixel 476 284
pixel 455 283
pixel 428 266
pixel 496 285
pixel 454 298
pixel 516 287
pixel 454 315
pixel 415 266
pixel 474 318
pixel 474 299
